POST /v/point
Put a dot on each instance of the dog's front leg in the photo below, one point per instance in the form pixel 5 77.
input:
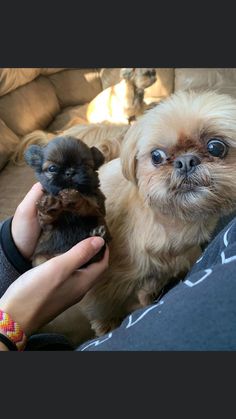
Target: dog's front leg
pixel 49 208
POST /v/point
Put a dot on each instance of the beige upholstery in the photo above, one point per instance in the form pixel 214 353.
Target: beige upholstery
pixel 11 78
pixel 15 182
pixel 54 99
pixel 8 142
pixel 222 80
pixel 29 107
pixel 75 87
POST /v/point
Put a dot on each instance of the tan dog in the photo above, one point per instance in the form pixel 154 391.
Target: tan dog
pixel 123 102
pixel 175 177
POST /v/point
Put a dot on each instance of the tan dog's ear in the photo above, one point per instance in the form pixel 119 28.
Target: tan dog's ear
pixel 128 156
pixel 127 73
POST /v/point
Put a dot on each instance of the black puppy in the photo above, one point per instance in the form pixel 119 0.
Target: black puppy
pixel 72 207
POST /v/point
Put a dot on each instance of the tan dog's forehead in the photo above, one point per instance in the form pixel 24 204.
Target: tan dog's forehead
pixel 187 118
pixel 174 138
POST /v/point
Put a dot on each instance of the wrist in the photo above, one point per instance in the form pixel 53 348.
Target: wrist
pixel 11 333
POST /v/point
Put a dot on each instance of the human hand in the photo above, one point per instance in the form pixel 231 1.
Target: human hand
pixel 25 225
pixel 42 293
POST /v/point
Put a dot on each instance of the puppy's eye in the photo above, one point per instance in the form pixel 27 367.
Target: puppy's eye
pixel 53 168
pixel 158 156
pixel 217 148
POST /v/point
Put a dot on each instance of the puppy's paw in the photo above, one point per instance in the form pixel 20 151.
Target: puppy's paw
pixel 99 231
pixel 48 203
pixel 69 196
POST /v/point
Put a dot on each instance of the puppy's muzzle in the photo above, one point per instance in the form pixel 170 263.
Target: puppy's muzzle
pixel 186 164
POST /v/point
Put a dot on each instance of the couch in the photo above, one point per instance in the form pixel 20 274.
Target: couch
pixel 54 99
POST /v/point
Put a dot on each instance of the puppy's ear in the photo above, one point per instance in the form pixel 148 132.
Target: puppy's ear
pixel 127 73
pixel 98 157
pixel 34 156
pixel 128 155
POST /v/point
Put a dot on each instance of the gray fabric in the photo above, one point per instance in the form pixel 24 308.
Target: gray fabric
pixel 199 314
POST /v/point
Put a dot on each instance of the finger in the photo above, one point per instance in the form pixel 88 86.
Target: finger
pixel 92 273
pixel 96 269
pixel 77 256
pixel 28 206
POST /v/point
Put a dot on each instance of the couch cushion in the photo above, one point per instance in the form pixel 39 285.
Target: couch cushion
pixel 8 143
pixel 11 78
pixel 69 117
pixel 163 86
pixel 47 71
pixel 30 107
pixel 15 182
pixel 76 86
pixel 222 80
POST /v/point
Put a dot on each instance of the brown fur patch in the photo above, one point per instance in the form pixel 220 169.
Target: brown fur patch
pixel 187 145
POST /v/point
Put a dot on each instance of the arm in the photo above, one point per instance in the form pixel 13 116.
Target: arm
pixel 42 293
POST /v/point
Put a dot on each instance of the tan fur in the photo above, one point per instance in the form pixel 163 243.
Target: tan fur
pixel 157 229
pixel 106 137
pixel 118 103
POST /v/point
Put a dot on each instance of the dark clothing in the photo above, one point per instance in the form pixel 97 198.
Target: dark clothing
pixel 12 264
pixel 197 314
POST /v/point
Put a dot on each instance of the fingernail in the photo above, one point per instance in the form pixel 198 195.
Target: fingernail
pixel 97 242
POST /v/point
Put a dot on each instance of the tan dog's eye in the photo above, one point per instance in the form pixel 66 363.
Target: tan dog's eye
pixel 158 156
pixel 217 148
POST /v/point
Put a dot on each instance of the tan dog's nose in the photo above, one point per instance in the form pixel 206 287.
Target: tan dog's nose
pixel 186 164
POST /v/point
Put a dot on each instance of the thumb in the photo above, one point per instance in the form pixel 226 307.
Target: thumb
pixel 78 255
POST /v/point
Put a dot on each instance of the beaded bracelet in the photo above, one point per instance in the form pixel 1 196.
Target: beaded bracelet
pixel 12 331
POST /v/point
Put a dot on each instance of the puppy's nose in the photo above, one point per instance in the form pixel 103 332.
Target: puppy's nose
pixel 186 164
pixel 69 172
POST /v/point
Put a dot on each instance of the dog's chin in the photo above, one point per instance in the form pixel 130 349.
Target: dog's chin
pixel 186 203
